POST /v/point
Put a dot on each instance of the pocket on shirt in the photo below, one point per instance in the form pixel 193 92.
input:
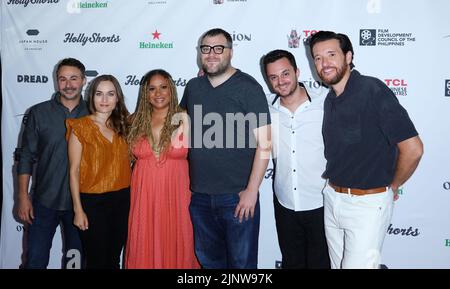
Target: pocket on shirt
pixel 351 129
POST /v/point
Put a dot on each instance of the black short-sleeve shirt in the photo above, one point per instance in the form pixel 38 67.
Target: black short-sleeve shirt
pixel 361 129
pixel 222 144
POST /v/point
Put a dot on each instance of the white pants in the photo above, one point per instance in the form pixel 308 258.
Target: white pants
pixel 355 227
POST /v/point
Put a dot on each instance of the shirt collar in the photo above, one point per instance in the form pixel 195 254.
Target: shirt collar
pixel 57 100
pixel 349 86
pixel 276 101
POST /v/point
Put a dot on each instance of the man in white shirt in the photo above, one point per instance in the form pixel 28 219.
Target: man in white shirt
pixel 299 163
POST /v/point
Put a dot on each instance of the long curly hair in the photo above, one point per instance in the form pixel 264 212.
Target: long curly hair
pixel 117 121
pixel 141 120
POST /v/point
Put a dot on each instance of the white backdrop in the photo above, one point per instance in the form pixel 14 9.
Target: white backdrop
pixel 403 42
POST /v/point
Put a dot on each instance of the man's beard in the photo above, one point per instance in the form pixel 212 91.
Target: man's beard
pixel 340 72
pixel 221 68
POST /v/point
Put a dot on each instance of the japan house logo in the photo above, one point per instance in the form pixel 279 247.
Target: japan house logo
pixel 367 37
pixel 447 87
pixel 156 42
pixel 32 40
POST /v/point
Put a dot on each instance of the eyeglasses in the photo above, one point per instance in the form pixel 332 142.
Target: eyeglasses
pixel 218 49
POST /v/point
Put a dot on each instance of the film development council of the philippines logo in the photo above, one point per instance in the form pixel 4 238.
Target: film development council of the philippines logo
pixel 367 37
pixel 447 87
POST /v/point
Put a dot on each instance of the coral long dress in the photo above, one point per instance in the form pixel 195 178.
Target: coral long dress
pixel 159 226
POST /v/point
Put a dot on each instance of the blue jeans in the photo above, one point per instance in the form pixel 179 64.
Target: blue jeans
pixel 221 242
pixel 42 231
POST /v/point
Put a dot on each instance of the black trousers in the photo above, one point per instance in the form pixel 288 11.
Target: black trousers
pixel 301 236
pixel 107 215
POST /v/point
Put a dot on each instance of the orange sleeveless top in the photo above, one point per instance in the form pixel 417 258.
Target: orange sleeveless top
pixel 104 166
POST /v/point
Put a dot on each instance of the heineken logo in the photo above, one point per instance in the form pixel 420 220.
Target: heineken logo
pixel 155 42
pixel 75 6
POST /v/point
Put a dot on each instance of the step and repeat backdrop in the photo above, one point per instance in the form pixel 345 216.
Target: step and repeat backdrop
pixel 405 43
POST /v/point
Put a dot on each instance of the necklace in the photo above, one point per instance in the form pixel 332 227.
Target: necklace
pixel 155 147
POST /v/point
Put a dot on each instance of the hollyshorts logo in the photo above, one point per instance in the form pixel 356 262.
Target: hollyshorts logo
pixel 27 78
pixel 410 232
pixel 156 42
pixel 383 37
pixel 294 37
pixel 76 6
pixel 25 3
pixel 32 41
pixel 134 80
pixel 398 86
pixel 447 87
pixel 95 38
pixel 269 174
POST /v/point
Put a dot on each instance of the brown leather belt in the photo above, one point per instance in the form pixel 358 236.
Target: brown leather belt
pixel 357 192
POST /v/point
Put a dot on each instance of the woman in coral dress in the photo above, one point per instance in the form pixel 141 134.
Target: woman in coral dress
pixel 159 226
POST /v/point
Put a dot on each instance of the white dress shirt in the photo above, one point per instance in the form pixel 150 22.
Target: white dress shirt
pixel 298 154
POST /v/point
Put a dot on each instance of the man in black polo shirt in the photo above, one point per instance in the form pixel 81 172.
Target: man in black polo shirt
pixel 371 147
pixel 228 156
pixel 44 143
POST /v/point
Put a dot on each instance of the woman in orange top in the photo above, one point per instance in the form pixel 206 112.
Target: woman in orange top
pixel 159 229
pixel 100 174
